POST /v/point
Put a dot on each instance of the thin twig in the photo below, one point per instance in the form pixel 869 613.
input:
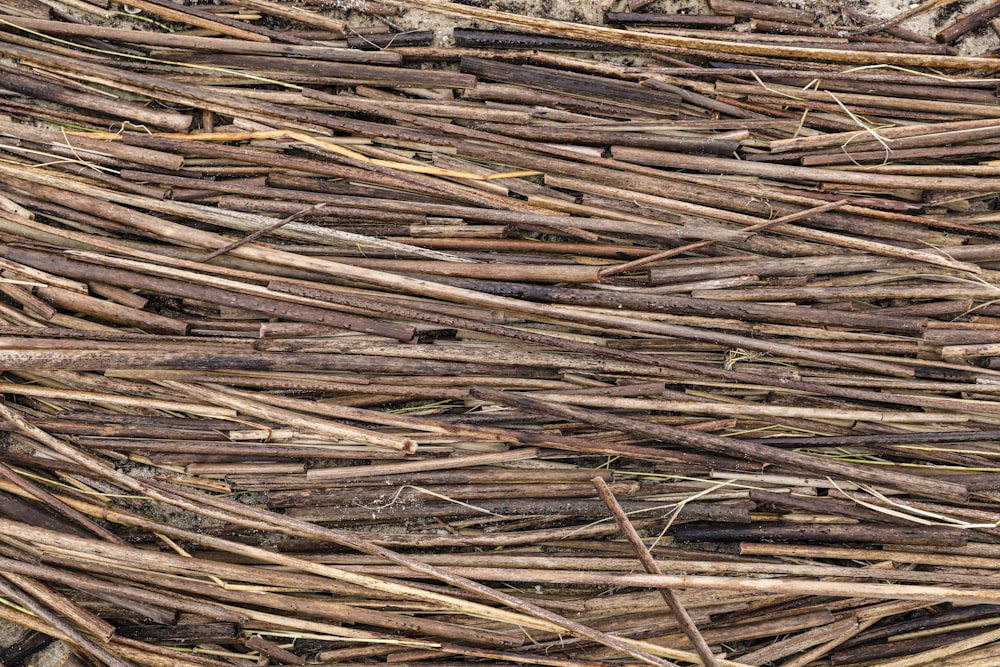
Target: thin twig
pixel 680 613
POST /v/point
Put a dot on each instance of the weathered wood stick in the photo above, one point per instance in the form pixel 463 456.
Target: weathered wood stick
pixel 26 83
pixel 196 43
pixel 793 173
pixel 653 40
pixel 649 563
pixel 194 16
pixel 14 593
pixel 335 26
pixel 737 448
pixel 969 22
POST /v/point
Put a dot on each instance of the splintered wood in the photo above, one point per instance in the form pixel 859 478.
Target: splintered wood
pixel 670 340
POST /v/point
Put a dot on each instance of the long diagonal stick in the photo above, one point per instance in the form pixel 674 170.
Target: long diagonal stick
pixel 680 613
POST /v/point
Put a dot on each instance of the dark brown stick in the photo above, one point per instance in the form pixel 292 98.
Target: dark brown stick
pixel 260 233
pixel 969 23
pixel 24 82
pixel 679 612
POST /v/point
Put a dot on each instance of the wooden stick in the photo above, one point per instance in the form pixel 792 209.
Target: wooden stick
pixel 9 590
pixel 24 82
pixel 894 30
pixel 88 396
pixel 174 12
pixel 213 44
pixel 969 23
pixel 725 409
pixel 335 26
pixel 933 488
pixel 787 172
pixel 641 39
pixel 866 554
pixel 914 10
pixel 610 271
pixel 260 232
pixel 762 11
pixel 650 565
pixel 337 432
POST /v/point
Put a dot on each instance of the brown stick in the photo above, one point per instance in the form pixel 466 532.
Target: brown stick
pixel 929 487
pixel 330 429
pixel 27 83
pixel 219 45
pixel 10 590
pixel 762 11
pixel 610 271
pixel 642 39
pixel 174 12
pixel 679 612
pixel 296 14
pixel 788 172
pixel 914 10
pixel 259 233
pixel 969 23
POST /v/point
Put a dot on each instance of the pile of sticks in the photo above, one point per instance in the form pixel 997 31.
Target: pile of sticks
pixel 666 341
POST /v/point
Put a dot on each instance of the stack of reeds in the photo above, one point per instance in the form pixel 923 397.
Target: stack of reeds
pixel 666 341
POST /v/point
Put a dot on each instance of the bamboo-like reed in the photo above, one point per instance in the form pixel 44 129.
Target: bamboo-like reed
pixel 340 346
